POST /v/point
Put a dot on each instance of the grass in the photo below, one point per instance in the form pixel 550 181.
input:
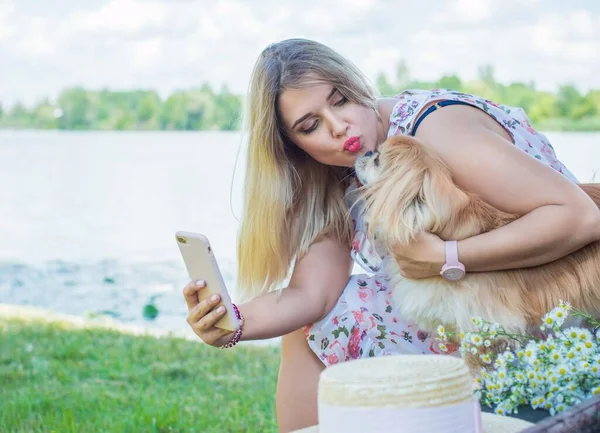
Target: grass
pixel 57 378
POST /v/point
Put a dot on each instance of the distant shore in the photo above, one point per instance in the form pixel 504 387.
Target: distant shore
pixel 549 125
pixel 205 108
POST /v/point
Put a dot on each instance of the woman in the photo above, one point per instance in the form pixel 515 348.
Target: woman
pixel 311 113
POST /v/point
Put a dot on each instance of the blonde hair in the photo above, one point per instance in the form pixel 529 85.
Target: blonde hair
pixel 290 199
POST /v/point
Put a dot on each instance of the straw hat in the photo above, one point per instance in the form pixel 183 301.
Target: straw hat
pixel 404 393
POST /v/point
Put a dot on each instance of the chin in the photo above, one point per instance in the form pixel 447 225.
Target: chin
pixel 408 190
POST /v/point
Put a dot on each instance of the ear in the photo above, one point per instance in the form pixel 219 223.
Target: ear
pixel 413 193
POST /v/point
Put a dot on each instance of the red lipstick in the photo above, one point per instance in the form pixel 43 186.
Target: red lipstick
pixel 352 144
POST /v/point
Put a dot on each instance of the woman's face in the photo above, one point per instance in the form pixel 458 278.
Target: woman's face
pixel 327 126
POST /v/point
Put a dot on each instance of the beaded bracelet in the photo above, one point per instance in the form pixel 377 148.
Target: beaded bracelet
pixel 238 334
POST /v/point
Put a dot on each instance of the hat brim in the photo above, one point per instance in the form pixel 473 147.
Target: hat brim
pixel 491 424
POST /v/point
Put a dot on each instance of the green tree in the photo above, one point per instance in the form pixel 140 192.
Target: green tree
pixel 74 104
pixel 384 86
pixel 544 107
pixel 519 95
pixel 173 114
pixel 594 96
pixel 569 100
pixel 21 118
pixel 203 108
pixel 148 107
pixel 124 120
pixel 449 82
pixel 586 107
pixel 228 110
pixel 44 116
pixel 486 85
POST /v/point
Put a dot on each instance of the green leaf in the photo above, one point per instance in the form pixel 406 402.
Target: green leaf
pixel 150 311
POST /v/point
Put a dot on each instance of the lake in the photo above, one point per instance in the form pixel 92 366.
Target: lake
pixel 88 219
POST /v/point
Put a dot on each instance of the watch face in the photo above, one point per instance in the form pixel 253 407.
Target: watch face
pixel 453 274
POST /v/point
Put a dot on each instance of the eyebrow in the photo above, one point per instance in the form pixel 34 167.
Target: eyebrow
pixel 307 115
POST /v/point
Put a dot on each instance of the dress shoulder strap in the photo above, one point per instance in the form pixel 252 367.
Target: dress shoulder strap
pixel 431 109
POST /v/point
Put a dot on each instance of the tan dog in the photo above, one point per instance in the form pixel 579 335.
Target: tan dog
pixel 408 190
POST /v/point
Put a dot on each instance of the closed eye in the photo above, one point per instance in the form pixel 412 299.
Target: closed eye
pixel 311 128
pixel 342 101
pixel 315 124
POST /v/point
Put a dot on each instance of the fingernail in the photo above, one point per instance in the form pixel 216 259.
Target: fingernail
pixel 221 309
pixel 200 283
pixel 214 298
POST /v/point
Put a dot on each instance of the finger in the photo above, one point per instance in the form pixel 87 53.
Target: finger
pixel 190 293
pixel 202 309
pixel 215 335
pixel 208 321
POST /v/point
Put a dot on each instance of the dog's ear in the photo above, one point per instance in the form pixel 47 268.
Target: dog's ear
pixel 414 193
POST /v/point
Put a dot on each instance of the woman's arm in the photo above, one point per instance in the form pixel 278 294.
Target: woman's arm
pixel 558 217
pixel 314 288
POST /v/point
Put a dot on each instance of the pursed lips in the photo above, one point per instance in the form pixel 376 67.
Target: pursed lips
pixel 352 144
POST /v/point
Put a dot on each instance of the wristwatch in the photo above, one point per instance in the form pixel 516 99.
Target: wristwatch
pixel 453 270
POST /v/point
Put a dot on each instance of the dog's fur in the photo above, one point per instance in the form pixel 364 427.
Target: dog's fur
pixel 408 190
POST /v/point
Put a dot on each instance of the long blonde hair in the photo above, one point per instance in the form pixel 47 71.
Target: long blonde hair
pixel 290 199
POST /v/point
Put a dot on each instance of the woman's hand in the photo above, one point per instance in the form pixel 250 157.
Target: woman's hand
pixel 202 316
pixel 422 258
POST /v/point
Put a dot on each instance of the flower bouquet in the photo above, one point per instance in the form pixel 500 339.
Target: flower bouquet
pixel 553 373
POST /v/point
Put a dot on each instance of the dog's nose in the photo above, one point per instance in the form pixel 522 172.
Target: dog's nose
pixel 369 153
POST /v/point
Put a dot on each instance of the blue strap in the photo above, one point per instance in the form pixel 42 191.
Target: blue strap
pixel 432 109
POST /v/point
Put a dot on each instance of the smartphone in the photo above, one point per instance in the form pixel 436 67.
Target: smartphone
pixel 201 264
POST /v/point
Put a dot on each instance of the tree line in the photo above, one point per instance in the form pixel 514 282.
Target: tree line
pixel 205 108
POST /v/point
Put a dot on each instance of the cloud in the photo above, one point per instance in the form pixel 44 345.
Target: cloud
pixel 474 10
pixel 521 41
pixel 24 35
pixel 7 18
pixel 167 45
pixel 574 37
pixel 121 17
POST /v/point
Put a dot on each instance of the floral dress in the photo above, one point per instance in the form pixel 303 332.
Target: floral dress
pixel 365 322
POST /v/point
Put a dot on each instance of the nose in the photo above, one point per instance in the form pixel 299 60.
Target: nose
pixel 338 126
pixel 369 153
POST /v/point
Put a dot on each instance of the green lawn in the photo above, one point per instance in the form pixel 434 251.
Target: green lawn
pixel 58 378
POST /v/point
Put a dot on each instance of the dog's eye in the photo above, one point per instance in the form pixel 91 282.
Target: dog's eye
pixel 376 161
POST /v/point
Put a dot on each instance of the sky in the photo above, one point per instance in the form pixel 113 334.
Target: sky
pixel 166 45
